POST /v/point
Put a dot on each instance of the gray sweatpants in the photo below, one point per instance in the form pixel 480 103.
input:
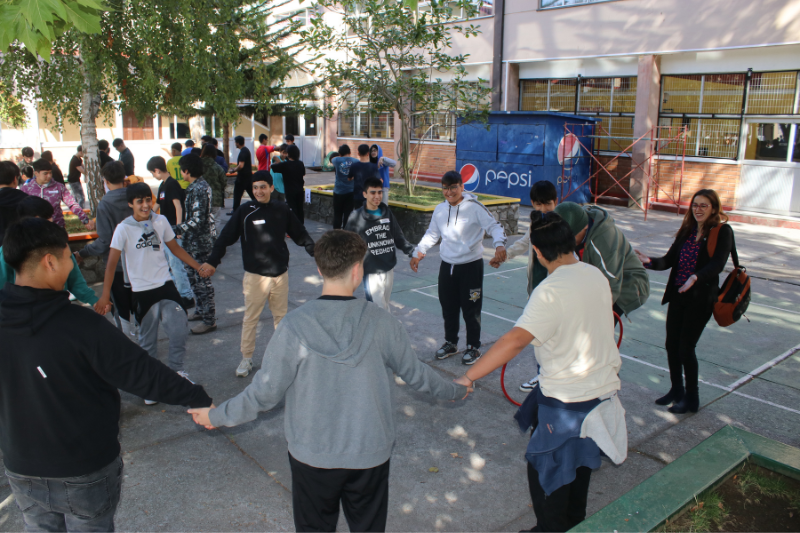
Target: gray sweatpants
pixel 172 316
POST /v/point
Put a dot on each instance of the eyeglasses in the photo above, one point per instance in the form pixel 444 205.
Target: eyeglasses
pixel 451 188
pixel 700 206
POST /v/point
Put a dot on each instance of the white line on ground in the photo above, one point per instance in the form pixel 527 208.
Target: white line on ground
pixel 7 501
pixel 763 368
pixel 485 275
pixel 482 312
pixel 751 303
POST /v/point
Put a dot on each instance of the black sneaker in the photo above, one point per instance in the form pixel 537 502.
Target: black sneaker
pixel 188 303
pixel 447 349
pixel 471 354
pixel 229 213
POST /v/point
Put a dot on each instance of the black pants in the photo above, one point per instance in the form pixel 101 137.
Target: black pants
pixel 687 316
pixel 342 207
pixel 565 507
pixel 461 289
pixel 296 201
pixel 121 296
pixel 241 186
pixel 316 493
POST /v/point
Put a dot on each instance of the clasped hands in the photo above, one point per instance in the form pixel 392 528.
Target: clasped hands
pixel 200 416
pixel 206 270
pixel 500 256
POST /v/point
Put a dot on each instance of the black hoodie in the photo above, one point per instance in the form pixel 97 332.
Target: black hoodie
pixel 10 197
pixel 60 368
pixel 382 234
pixel 262 228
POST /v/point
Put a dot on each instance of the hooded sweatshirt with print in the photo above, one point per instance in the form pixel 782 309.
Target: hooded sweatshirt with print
pixel 461 228
pixel 332 359
pixel 55 193
pixel 382 234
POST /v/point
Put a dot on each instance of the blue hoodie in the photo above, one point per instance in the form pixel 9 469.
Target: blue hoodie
pixel 383 170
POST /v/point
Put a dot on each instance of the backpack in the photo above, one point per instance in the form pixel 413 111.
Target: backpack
pixel 734 295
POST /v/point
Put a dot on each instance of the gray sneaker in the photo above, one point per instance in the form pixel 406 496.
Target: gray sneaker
pixel 447 349
pixel 203 328
pixel 528 386
pixel 244 368
pixel 471 354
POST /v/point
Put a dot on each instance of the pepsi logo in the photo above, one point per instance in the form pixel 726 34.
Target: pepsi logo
pixel 568 148
pixel 470 177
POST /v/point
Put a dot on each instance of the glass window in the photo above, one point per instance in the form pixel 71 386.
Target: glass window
pixel 533 95
pixel 311 125
pixel 767 141
pixel 546 4
pixel 706 137
pixel 723 94
pixel 772 93
pixel 292 126
pixel 359 121
pixel 135 130
pixel 681 94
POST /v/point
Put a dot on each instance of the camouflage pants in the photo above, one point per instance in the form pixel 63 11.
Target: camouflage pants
pixel 203 291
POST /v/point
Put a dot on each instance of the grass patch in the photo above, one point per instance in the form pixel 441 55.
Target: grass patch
pixel 74 224
pixel 707 514
pixel 754 485
pixel 422 196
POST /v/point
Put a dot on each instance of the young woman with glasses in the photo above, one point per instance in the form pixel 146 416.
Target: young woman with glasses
pixel 691 292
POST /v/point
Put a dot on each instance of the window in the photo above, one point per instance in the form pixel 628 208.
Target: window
pixel 548 4
pixel 292 125
pixel 772 93
pixel 301 14
pixel 439 126
pixel 772 141
pixel 485 8
pixel 360 121
pixel 213 127
pixel 135 130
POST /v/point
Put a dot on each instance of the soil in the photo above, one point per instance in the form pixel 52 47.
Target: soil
pixel 425 197
pixel 745 506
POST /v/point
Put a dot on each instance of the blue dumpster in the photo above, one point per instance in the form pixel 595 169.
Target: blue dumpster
pixel 520 148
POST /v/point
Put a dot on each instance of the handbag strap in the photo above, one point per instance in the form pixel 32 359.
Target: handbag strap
pixel 711 246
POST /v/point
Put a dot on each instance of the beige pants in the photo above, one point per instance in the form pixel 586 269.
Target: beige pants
pixel 378 288
pixel 257 291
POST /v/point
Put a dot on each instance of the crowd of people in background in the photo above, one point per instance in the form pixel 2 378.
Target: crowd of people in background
pixel 331 360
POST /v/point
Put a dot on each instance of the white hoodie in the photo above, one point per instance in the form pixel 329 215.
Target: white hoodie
pixel 461 228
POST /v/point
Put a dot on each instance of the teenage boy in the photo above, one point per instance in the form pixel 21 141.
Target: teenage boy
pixel 32 206
pixel 244 174
pixel 332 359
pixel 279 194
pixel 261 226
pixel 293 171
pixel 263 151
pixel 197 234
pixel 215 177
pixel 170 204
pixel 599 242
pixel 43 186
pixel 103 153
pixel 342 187
pixel 10 196
pixel 460 221
pixel 544 198
pixel 174 165
pixel 111 210
pixel 138 241
pixel 55 170
pixel 188 149
pixel 26 163
pixel 289 139
pixel 60 408
pixel 376 224
pixel 359 172
pixel 568 318
pixel 125 156
pixel 74 172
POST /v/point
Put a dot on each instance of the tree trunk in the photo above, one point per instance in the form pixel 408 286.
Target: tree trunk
pixel 226 142
pixel 90 106
pixel 404 151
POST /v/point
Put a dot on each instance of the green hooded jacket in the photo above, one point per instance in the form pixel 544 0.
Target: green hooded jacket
pixel 608 249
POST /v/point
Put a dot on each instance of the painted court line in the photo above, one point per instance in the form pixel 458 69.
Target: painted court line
pixel 763 368
pixel 751 303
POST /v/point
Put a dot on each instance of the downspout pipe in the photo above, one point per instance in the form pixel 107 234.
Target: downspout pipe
pixel 497 59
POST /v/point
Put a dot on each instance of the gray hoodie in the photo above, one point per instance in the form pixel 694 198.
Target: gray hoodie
pixel 112 209
pixel 333 362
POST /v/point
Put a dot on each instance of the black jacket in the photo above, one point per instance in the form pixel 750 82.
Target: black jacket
pixel 382 234
pixel 262 228
pixel 707 269
pixel 9 200
pixel 60 368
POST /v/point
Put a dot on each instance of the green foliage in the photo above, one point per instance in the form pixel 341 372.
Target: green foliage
pixel 391 57
pixel 38 23
pixel 12 112
pixel 708 510
pixel 753 483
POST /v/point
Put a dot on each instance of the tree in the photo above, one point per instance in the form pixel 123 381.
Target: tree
pixel 390 55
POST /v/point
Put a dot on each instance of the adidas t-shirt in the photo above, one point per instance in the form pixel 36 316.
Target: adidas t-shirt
pixel 145 261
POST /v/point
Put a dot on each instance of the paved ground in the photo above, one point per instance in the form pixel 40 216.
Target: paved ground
pixel 179 477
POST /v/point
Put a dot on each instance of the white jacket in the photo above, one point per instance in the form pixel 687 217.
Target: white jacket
pixel 461 228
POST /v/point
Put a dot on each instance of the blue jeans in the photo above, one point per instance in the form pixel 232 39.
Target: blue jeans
pixel 178 273
pixel 82 503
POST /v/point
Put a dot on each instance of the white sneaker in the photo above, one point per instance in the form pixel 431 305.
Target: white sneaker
pixel 529 385
pixel 244 368
pixel 150 402
pixel 185 376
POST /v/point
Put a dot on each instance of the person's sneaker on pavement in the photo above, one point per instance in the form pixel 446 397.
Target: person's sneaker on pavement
pixel 471 354
pixel 204 328
pixel 244 368
pixel 194 317
pixel 528 386
pixel 150 402
pixel 447 349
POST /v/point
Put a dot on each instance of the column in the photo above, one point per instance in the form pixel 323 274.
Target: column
pixel 330 128
pixel 648 95
pixel 511 87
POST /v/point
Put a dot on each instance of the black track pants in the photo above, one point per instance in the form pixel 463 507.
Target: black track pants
pixel 461 290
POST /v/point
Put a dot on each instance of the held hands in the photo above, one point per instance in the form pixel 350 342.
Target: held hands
pixel 200 416
pixel 468 383
pixel 500 256
pixel 643 258
pixel 103 305
pixel 415 261
pixel 688 285
pixel 206 270
pixel 91 225
pixel 78 258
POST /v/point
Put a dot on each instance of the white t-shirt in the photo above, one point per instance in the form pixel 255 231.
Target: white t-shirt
pixel 569 314
pixel 147 268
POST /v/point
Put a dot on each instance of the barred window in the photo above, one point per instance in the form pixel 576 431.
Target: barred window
pixel 719 94
pixel 360 121
pixel 706 137
pixel 773 93
pixel 548 4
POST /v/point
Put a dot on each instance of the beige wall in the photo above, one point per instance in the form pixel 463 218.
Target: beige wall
pixel 645 26
pixel 479 48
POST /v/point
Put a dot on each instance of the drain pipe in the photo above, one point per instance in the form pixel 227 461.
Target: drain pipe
pixel 497 59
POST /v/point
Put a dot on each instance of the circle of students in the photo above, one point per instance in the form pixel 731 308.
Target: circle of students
pixel 66 363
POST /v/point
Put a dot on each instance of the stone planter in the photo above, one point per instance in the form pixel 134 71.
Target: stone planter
pixel 92 268
pixel 414 219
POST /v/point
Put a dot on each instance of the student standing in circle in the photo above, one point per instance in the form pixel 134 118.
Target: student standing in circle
pixel 691 291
